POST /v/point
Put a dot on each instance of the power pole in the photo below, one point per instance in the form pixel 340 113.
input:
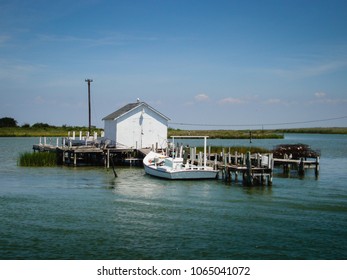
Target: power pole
pixel 90 119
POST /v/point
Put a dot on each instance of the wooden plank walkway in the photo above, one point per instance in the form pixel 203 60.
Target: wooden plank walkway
pixel 255 169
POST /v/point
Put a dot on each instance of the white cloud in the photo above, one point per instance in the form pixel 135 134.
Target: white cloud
pixel 273 101
pixel 322 98
pixel 231 100
pixel 201 97
pixel 320 94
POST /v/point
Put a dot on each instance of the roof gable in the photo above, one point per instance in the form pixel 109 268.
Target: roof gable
pixel 129 107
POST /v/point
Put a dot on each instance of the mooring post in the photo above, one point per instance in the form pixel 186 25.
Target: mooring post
pixel 301 167
pixel 229 156
pixel 108 158
pixel 317 166
pixel 249 181
pixel 200 158
pixel 185 154
pixel 269 180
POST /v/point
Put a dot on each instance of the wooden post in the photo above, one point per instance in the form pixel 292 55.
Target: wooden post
pixel 200 158
pixel 301 167
pixel 269 180
pixel 317 167
pixel 249 181
pixel 181 151
pixel 185 154
pixel 271 172
pixel 74 159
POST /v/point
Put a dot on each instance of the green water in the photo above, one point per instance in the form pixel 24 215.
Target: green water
pixel 86 213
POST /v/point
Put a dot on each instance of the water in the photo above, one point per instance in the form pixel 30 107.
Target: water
pixel 86 213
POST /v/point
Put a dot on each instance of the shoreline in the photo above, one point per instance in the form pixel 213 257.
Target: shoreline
pixel 213 134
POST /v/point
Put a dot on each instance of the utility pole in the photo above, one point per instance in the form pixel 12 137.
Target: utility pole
pixel 90 119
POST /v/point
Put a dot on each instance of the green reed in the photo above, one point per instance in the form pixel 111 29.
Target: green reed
pixel 37 159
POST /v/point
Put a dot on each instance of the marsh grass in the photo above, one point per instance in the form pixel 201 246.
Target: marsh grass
pixel 40 159
pixel 227 134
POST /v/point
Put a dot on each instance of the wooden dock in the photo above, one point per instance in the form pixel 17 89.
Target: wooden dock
pixel 256 169
pixel 252 169
pixel 82 152
pixel 297 157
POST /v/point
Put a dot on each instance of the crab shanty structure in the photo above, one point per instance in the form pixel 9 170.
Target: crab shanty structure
pixel 137 125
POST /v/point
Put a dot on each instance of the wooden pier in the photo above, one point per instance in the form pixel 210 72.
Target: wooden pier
pixel 252 169
pixel 297 157
pixel 87 151
pixel 256 169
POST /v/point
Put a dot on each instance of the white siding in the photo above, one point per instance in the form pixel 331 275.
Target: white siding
pixel 110 127
pixel 138 128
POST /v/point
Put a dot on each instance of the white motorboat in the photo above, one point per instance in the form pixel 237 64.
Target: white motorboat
pixel 177 168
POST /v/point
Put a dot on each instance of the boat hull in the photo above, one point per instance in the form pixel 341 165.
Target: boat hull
pixel 180 174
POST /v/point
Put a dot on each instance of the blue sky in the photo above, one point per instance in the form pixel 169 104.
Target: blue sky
pixel 213 64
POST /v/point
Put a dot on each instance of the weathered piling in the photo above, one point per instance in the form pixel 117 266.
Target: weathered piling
pixel 296 157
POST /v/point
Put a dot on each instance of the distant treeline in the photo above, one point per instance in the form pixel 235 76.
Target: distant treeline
pixel 256 134
pixel 9 128
pixel 318 130
pixel 227 134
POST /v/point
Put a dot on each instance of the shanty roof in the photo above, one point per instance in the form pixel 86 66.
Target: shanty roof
pixel 129 107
